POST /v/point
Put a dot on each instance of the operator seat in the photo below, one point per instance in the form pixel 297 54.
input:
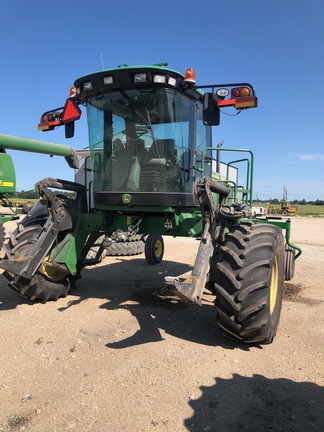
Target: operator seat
pixel 128 163
pixel 161 172
pixel 162 148
pixel 118 147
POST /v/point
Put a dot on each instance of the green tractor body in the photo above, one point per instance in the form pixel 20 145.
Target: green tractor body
pixel 151 171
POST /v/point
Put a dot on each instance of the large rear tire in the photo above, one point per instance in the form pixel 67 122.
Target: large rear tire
pixel 250 282
pixel 48 283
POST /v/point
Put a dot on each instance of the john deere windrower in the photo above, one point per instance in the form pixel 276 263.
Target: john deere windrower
pixel 150 171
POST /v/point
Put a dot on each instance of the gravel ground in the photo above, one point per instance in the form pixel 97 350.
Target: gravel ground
pixel 117 355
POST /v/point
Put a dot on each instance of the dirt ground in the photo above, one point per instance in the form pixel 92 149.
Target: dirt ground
pixel 117 355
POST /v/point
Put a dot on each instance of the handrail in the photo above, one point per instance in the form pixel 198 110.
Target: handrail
pixel 250 167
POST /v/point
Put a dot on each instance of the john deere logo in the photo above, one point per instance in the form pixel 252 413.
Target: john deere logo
pixel 127 199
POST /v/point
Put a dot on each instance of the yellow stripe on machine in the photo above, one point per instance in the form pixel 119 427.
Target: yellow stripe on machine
pixel 245 104
pixel 6 184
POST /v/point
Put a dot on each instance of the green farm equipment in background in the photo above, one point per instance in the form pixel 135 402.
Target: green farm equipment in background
pixel 7 186
pixel 151 171
pixel 9 208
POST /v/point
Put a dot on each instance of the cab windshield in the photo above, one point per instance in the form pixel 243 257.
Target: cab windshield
pixel 144 141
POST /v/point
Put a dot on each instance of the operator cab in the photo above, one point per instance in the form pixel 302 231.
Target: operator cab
pixel 149 132
pixel 146 135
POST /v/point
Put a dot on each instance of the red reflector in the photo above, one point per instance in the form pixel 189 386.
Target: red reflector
pixel 226 102
pixel 239 103
pixel 71 112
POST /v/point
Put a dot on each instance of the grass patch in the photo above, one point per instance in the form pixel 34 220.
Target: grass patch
pixel 311 210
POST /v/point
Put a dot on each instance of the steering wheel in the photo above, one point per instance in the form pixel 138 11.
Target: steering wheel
pixel 141 131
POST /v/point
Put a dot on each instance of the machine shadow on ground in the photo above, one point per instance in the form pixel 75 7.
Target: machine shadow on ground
pixel 135 286
pixel 258 403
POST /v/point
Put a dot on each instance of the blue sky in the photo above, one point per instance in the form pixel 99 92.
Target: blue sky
pixel 276 45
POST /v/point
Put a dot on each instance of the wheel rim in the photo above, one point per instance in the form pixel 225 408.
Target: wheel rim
pixel 273 285
pixel 158 249
pixel 51 272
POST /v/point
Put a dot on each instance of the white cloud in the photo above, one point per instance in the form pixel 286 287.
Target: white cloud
pixel 310 157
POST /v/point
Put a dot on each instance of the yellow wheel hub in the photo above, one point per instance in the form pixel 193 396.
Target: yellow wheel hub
pixel 52 272
pixel 274 285
pixel 158 249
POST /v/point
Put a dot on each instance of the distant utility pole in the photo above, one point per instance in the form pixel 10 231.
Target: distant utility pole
pixel 285 193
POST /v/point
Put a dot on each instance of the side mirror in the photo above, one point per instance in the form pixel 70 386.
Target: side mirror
pixel 69 130
pixel 66 115
pixel 211 113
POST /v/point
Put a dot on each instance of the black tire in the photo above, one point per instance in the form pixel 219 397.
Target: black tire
pixel 125 248
pixel 47 283
pixel 36 216
pixel 27 207
pixel 2 235
pixel 250 282
pixel 154 249
pixel 289 262
pixel 120 244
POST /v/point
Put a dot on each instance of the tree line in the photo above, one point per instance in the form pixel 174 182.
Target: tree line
pixel 32 194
